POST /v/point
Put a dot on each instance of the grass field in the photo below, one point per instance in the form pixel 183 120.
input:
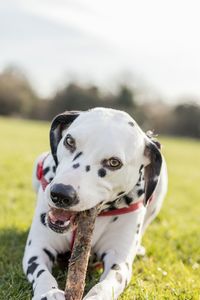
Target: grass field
pixel 171 268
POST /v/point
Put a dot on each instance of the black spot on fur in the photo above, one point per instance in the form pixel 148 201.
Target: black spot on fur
pixel 42 219
pixel 111 205
pixel 115 267
pixel 131 123
pixel 118 277
pixel 140 192
pixel 138 225
pixel 87 168
pixel 54 169
pixel 77 155
pixel 103 255
pixel 137 231
pixel 115 219
pixel 140 172
pixel 75 166
pixel 45 171
pixel 44 298
pixel 29 243
pixel 128 200
pixel 51 178
pixel 141 167
pixel 33 282
pixel 49 254
pixel 102 172
pixel 121 193
pixel 31 269
pixel 32 259
pixel 40 272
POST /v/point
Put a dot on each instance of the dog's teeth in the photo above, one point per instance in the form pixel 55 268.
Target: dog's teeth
pixel 66 223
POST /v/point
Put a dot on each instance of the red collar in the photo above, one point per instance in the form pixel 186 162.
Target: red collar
pixel 40 174
pixel 122 211
pixel 115 212
pixel 125 210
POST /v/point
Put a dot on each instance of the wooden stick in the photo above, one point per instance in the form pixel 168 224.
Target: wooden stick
pixel 78 263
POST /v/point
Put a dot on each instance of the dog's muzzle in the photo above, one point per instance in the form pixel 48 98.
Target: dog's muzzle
pixel 61 221
pixel 63 196
pixel 59 218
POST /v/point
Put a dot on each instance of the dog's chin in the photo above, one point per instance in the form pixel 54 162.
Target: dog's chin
pixel 61 220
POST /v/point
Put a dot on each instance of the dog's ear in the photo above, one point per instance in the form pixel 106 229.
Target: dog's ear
pixel 152 169
pixel 59 123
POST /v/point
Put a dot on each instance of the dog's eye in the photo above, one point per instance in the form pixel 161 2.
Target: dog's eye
pixel 112 163
pixel 69 142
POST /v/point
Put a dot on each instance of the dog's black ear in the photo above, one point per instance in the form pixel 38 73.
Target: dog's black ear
pixel 152 170
pixel 59 123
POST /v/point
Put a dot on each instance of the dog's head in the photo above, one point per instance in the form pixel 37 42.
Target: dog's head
pixel 98 154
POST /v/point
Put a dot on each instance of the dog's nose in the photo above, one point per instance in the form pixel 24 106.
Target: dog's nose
pixel 63 195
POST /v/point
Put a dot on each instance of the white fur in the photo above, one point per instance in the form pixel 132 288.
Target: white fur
pixel 99 133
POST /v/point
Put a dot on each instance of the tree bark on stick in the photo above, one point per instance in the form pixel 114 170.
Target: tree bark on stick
pixel 78 263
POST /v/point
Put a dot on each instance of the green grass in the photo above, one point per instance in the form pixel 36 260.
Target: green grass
pixel 171 268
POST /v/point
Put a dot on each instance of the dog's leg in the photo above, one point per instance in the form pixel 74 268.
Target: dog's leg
pixel 41 250
pixel 113 285
pixel 118 247
pixel 37 265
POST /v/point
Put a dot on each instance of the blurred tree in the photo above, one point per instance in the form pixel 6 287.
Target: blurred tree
pixel 77 97
pixel 125 97
pixel 186 120
pixel 18 98
pixel 74 97
pixel 16 95
pixel 154 115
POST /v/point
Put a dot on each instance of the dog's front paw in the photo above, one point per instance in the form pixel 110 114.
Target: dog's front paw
pixel 98 292
pixel 54 294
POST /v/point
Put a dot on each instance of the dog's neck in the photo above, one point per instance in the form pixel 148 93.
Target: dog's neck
pixel 126 200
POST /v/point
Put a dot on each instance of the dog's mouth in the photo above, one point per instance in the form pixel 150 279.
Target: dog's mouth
pixel 61 220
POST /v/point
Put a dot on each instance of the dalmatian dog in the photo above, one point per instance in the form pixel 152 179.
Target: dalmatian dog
pixel 98 157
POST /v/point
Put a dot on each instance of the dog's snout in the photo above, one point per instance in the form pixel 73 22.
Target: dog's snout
pixel 63 195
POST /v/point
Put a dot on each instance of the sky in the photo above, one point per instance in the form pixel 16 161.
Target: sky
pixel 154 44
